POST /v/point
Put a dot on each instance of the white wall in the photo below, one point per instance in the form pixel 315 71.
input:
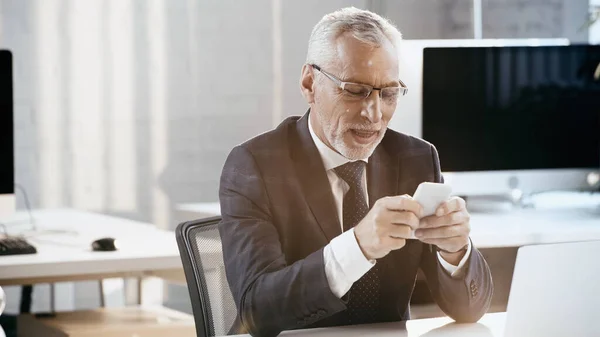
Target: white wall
pixel 535 19
pixel 595 29
pixel 431 19
pixel 128 107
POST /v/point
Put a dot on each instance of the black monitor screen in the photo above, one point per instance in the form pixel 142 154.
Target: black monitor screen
pixel 6 124
pixel 513 108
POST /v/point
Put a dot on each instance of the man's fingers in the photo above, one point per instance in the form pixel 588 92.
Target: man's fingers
pixel 402 203
pixel 404 218
pixel 442 232
pixel 434 221
pixel 393 243
pixel 453 204
pixel 399 231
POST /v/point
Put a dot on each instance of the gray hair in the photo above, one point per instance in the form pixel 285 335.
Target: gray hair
pixel 363 25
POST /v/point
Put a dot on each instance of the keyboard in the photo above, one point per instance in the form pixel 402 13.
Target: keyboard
pixel 11 245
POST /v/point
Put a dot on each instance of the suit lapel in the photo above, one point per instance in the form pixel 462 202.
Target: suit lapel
pixel 382 175
pixel 313 180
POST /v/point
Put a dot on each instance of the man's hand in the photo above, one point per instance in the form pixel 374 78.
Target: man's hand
pixel 448 229
pixel 387 225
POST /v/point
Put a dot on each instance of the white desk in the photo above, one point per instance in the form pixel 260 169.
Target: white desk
pixel 144 249
pixel 491 325
pixel 534 226
pixel 558 217
pixel 198 210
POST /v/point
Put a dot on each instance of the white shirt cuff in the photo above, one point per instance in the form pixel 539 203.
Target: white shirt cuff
pixel 345 263
pixel 452 269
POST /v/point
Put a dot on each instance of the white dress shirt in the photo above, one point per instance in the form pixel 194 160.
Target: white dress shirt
pixel 344 261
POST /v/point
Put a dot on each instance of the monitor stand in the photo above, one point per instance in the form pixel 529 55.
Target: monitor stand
pixel 514 200
pixel 521 199
pixel 489 203
pixel 7 206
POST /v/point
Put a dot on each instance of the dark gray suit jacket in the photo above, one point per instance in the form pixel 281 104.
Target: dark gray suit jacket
pixel 279 213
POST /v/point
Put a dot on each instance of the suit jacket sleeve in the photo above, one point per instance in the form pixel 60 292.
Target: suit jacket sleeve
pixel 465 298
pixel 270 295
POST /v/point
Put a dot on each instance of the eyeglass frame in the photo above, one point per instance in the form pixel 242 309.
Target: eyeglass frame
pixel 341 84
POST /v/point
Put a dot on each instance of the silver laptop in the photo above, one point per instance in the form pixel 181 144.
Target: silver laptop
pixel 555 291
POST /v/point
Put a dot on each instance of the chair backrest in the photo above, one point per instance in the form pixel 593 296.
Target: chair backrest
pixel 202 257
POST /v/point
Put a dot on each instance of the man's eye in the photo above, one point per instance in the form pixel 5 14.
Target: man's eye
pixel 356 90
pixel 390 94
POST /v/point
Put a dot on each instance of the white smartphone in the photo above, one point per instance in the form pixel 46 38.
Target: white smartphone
pixel 431 196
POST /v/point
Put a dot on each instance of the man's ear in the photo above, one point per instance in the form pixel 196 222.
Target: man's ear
pixel 306 84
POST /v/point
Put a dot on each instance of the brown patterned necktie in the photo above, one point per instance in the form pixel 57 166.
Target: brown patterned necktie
pixel 363 301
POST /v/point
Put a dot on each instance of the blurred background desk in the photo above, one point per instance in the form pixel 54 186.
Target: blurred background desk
pixel 63 240
pixel 197 210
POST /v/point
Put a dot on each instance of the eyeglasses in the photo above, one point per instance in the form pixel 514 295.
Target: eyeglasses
pixel 358 91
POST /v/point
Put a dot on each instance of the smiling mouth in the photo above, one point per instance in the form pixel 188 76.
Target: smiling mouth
pixel 364 136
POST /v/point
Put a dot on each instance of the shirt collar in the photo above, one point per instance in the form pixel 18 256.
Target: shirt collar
pixel 331 159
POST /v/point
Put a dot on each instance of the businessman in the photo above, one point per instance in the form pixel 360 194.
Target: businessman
pixel 317 213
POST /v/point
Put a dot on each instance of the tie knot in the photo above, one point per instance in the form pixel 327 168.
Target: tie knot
pixel 351 172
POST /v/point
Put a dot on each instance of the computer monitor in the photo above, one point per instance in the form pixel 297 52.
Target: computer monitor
pixel 409 111
pixel 7 171
pixel 514 118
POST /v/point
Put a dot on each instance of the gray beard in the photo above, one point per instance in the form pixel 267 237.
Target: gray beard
pixel 354 153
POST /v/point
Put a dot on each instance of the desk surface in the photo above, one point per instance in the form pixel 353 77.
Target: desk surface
pixel 491 325
pixel 209 208
pixel 143 247
pixel 534 226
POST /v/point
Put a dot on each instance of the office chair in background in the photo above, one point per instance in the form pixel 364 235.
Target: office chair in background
pixel 202 257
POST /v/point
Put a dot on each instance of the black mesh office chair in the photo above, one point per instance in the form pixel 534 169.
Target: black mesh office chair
pixel 200 249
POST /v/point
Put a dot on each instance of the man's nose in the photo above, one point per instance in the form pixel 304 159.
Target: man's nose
pixel 372 107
